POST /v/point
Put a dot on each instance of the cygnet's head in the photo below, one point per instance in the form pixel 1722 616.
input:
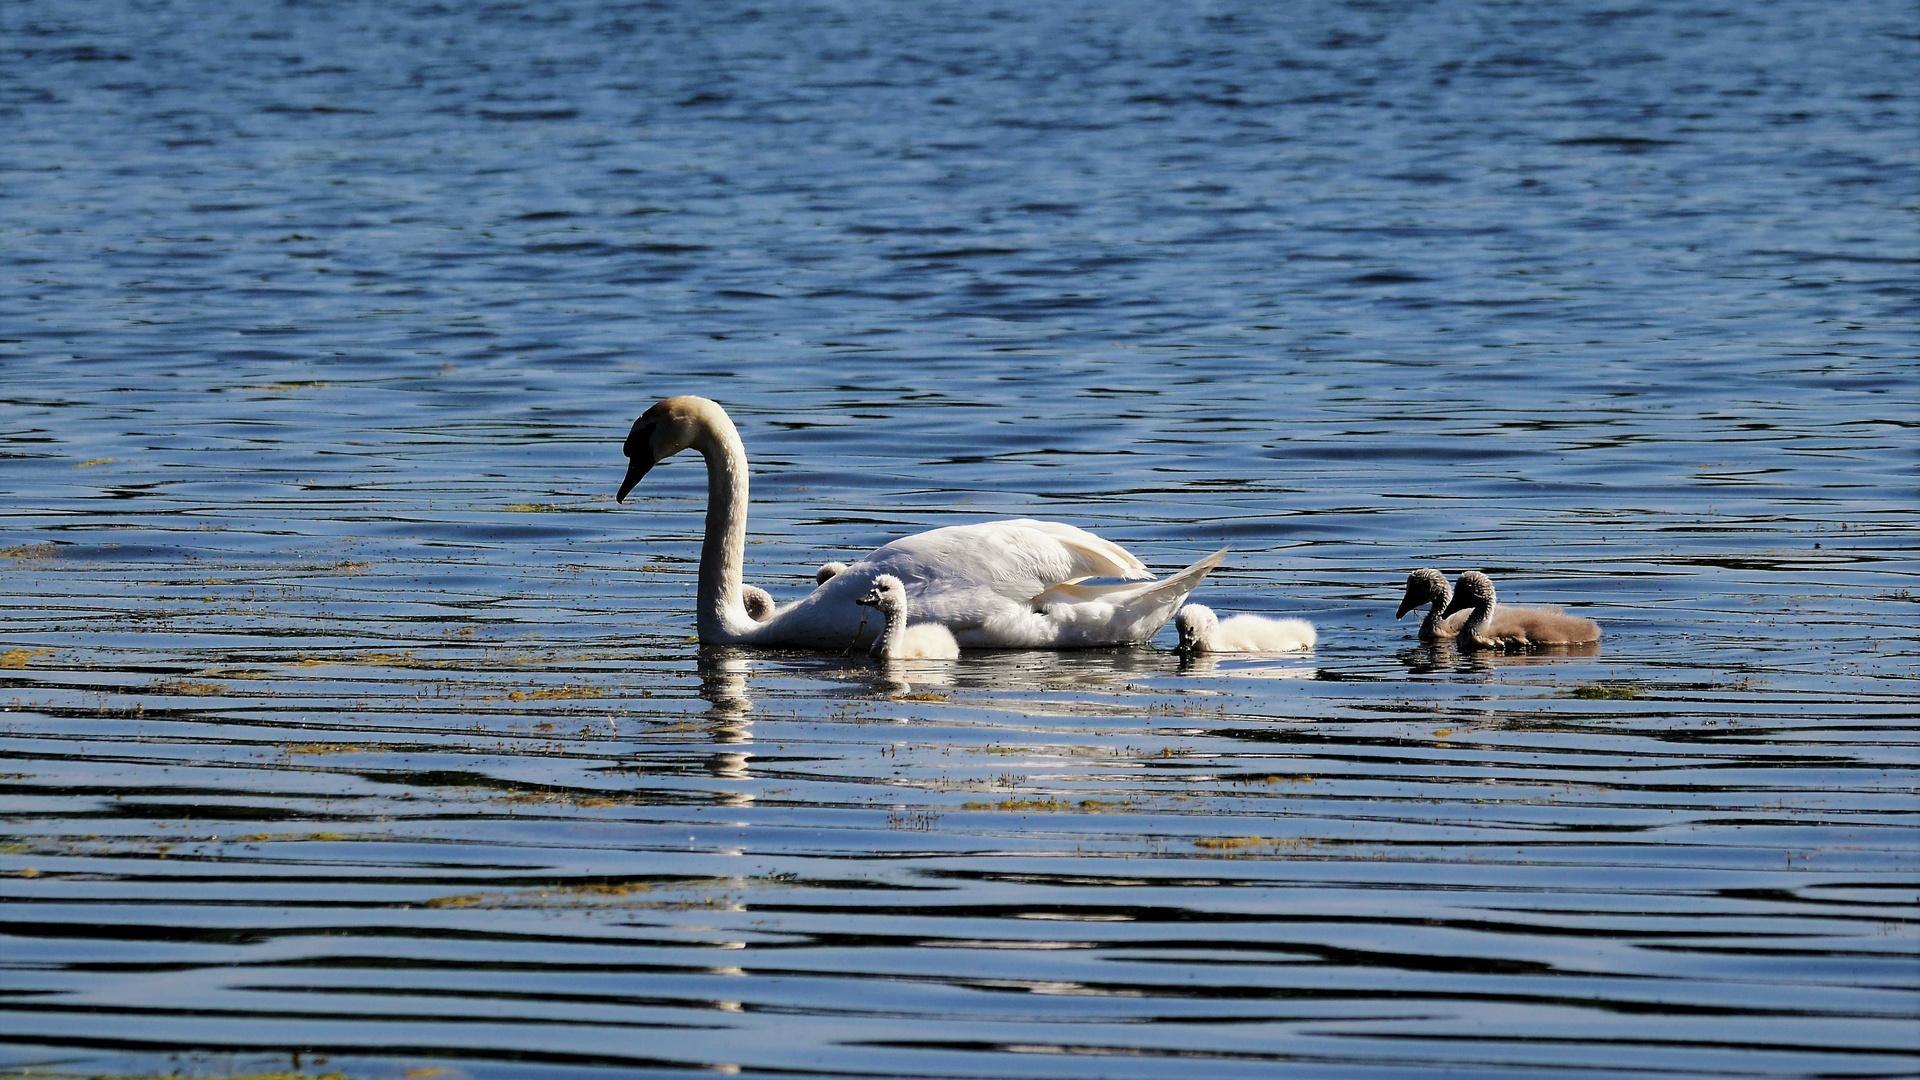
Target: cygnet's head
pixel 667 428
pixel 1471 589
pixel 1424 586
pixel 828 571
pixel 757 601
pixel 887 594
pixel 1194 624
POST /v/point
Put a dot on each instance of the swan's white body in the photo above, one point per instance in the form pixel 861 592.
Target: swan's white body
pixel 827 570
pixel 1201 631
pixel 995 585
pixel 901 639
pixel 1493 627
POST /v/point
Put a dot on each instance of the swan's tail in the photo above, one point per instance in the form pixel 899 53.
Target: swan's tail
pixel 1121 614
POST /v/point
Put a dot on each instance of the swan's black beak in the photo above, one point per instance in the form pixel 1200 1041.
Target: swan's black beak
pixel 1460 603
pixel 639 451
pixel 872 599
pixel 1408 603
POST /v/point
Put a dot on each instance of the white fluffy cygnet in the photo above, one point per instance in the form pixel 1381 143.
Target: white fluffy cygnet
pixel 1494 627
pixel 899 641
pixel 828 571
pixel 757 601
pixel 1201 631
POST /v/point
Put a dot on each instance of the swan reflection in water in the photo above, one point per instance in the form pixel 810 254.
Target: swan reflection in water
pixel 723 683
pixel 725 674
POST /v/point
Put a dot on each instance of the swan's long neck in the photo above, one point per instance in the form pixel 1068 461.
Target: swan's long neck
pixel 721 616
pixel 892 640
pixel 1435 624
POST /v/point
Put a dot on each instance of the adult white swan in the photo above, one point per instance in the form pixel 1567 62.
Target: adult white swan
pixel 996 585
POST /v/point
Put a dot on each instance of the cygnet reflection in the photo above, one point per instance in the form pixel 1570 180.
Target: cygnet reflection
pixel 1203 665
pixel 1441 657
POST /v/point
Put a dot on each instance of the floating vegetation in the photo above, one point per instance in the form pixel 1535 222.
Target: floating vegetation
pixel 1050 805
pixel 1244 843
pixel 186 688
pixel 177 1074
pixel 601 893
pixel 1599 692
pixel 553 693
pixel 288 386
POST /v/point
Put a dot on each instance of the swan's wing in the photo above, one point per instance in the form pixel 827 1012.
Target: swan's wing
pixel 1019 559
pixel 1093 556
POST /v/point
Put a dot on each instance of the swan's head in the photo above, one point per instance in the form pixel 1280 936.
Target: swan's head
pixel 758 602
pixel 663 431
pixel 1424 586
pixel 1472 589
pixel 887 594
pixel 828 571
pixel 1195 623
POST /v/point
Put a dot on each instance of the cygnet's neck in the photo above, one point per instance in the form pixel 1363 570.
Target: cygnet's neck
pixel 1481 620
pixel 892 640
pixel 1434 626
pixel 720 615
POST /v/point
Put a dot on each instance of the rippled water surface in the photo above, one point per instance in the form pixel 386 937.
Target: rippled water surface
pixel 347 723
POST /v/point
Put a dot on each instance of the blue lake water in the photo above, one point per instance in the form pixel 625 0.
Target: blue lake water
pixel 347 723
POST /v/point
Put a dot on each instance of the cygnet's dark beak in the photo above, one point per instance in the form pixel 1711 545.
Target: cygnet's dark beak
pixel 1461 602
pixel 872 599
pixel 639 451
pixel 1408 603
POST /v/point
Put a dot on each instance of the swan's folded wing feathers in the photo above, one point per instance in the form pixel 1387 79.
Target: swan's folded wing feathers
pixel 1017 559
pixel 1091 555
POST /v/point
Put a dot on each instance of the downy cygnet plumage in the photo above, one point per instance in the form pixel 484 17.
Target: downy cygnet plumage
pixel 828 571
pixel 1201 631
pixel 1494 627
pixel 1429 585
pixel 996 585
pixel 898 640
pixel 758 602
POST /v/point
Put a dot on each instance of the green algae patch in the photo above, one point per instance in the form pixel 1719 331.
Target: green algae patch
pixel 1602 693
